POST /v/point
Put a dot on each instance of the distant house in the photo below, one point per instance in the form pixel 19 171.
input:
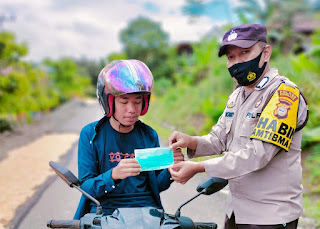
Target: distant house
pixel 303 26
pixel 184 48
pixel 306 26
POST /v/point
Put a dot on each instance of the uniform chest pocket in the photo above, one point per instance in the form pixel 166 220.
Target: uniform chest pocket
pixel 247 127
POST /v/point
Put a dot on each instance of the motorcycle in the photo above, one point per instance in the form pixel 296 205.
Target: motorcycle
pixel 144 217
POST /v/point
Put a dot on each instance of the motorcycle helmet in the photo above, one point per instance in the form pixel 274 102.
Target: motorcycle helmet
pixel 124 77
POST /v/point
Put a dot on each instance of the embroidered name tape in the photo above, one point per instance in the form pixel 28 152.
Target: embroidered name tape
pixel 154 158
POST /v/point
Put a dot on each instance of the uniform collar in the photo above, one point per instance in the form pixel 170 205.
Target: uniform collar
pixel 268 77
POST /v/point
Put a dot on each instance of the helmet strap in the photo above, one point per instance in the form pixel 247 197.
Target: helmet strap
pixel 120 124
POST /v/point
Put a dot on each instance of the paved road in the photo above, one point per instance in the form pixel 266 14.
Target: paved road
pixel 55 200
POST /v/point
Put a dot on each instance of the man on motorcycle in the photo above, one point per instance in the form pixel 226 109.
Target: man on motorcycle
pixel 106 164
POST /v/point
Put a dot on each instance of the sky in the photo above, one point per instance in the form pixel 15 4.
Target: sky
pixel 90 29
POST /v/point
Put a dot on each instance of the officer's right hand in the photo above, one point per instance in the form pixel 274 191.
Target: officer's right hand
pixel 181 140
pixel 126 168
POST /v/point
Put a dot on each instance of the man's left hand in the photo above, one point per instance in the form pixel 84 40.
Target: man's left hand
pixel 178 155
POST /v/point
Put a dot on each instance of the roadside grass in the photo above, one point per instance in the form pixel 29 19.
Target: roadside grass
pixel 311 183
pixel 311 209
pixel 163 132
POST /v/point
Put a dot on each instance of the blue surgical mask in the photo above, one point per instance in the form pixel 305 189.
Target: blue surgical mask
pixel 247 73
pixel 154 158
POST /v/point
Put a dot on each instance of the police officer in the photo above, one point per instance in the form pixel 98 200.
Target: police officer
pixel 258 137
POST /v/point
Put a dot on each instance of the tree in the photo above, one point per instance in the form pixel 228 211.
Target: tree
pixel 66 79
pixel 90 68
pixel 278 16
pixel 216 10
pixel 10 51
pixel 145 40
pixel 194 9
pixel 255 11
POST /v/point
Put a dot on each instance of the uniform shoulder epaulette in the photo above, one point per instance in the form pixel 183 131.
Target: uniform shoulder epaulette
pixel 290 83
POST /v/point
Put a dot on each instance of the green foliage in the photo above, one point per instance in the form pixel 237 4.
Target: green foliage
pixel 10 51
pixel 90 68
pixel 4 125
pixel 279 18
pixel 26 89
pixel 64 75
pixel 253 10
pixel 312 163
pixel 311 207
pixel 304 71
pixel 191 69
pixel 193 8
pixel 312 183
pixel 117 56
pixel 197 99
pixel 23 90
pixel 144 40
pixel 143 33
pixel 316 38
pixel 162 85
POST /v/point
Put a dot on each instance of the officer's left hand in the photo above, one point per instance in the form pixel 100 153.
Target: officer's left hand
pixel 184 171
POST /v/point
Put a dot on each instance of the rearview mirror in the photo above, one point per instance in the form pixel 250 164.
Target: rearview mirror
pixel 65 174
pixel 212 185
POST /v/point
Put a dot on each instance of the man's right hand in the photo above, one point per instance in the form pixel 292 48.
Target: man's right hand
pixel 181 140
pixel 126 168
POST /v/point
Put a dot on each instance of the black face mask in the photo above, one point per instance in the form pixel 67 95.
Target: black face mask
pixel 247 73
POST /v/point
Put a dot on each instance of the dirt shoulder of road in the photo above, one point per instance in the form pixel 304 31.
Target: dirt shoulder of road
pixel 26 168
pixel 24 156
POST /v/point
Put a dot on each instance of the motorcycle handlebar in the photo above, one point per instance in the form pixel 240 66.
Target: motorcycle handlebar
pixel 76 224
pixel 202 225
pixel 63 224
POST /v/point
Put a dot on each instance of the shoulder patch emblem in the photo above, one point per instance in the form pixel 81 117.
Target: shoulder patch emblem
pixel 282 109
pixel 278 120
pixel 284 104
pixel 287 94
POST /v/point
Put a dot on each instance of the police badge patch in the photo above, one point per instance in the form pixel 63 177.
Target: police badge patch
pixel 283 108
pixel 278 120
pixel 284 104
